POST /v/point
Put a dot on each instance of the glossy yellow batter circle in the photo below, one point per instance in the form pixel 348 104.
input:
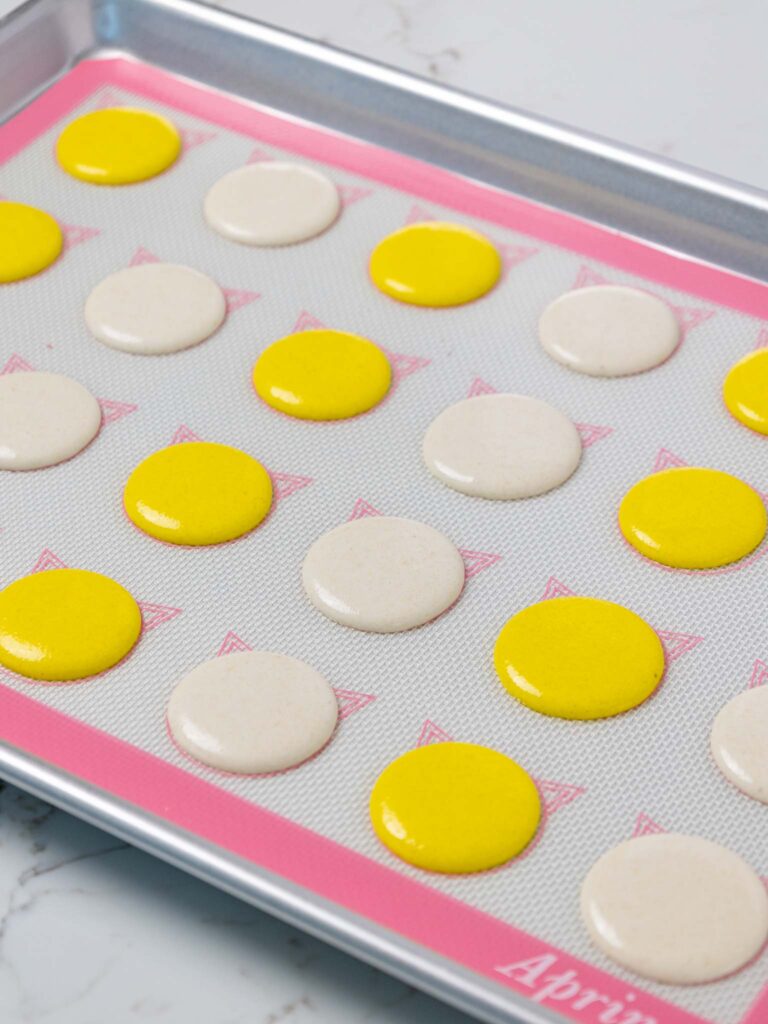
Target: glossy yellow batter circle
pixel 745 391
pixel 435 264
pixel 692 518
pixel 118 146
pixel 579 657
pixel 455 808
pixel 322 375
pixel 65 624
pixel 198 493
pixel 30 240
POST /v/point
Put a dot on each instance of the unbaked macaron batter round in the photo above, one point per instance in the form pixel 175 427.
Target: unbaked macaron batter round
pixel 739 742
pixel 609 330
pixel 689 517
pixel 579 658
pixel 322 375
pixel 118 146
pixel 252 712
pixel 45 418
pixel 198 493
pixel 31 241
pixel 678 909
pixel 65 624
pixel 155 308
pixel 383 574
pixel 502 446
pixel 745 391
pixel 455 808
pixel 435 264
pixel 272 203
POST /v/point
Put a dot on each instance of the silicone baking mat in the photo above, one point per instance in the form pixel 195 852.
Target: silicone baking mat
pixel 602 782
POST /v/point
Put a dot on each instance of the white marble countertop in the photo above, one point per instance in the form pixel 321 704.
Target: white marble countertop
pixel 684 78
pixel 92 930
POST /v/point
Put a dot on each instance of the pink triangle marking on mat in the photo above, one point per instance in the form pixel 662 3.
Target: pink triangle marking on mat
pixel 351 701
pixel 286 484
pixel 588 278
pixel 677 644
pixel 476 562
pixel 759 675
pixel 646 826
pixel 111 411
pixel 431 733
pixel 141 256
pixel 236 298
pixel 667 460
pixel 762 338
pixel 47 560
pixel 232 644
pixel 307 322
pixel 191 137
pixel 480 387
pixel 690 317
pixel 258 156
pixel 404 366
pixel 75 234
pixel 350 194
pixel 513 255
pixel 591 433
pixel 182 434
pixel 361 509
pixel 16 365
pixel 154 615
pixel 554 588
pixel 418 214
pixel 108 99
pixel 555 795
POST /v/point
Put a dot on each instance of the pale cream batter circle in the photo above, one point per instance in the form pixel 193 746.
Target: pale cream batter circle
pixel 739 742
pixel 45 418
pixel 155 308
pixel 252 712
pixel 502 446
pixel 383 574
pixel 609 330
pixel 675 908
pixel 272 203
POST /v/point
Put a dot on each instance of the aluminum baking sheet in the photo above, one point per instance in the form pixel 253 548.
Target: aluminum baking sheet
pixel 507 945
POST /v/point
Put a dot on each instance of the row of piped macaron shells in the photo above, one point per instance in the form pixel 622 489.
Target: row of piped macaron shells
pixel 604 330
pixel 565 658
pixel 331 374
pixel 459 807
pixel 405 789
pixel 501 446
